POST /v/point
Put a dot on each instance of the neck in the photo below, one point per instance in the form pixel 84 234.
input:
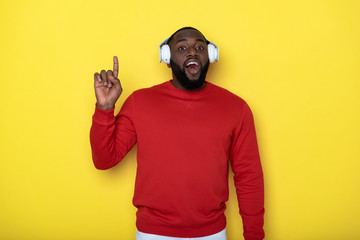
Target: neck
pixel 178 85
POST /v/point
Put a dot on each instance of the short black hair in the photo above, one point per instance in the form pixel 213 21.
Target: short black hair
pixel 185 28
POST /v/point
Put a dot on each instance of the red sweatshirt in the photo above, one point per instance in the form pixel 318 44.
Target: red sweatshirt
pixel 184 143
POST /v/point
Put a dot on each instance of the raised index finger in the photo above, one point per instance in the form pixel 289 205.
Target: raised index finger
pixel 116 67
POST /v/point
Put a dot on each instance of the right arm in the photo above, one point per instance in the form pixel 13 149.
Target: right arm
pixel 111 138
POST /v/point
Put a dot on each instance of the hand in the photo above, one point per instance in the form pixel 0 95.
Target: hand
pixel 107 87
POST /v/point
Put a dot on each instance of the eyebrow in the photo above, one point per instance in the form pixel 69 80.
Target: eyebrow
pixel 198 40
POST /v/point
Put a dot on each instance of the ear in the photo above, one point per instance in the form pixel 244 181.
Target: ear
pixel 165 53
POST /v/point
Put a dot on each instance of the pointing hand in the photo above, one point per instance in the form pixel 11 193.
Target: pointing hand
pixel 107 87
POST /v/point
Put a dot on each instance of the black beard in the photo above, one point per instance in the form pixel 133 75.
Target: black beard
pixel 185 81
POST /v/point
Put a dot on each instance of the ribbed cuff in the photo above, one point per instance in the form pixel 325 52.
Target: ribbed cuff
pixel 103 117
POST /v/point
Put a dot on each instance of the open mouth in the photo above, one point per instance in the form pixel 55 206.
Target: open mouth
pixel 192 67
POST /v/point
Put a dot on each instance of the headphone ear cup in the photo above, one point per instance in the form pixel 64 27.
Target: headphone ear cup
pixel 165 54
pixel 213 53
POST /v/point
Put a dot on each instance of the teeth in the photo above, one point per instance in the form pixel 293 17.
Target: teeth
pixel 189 63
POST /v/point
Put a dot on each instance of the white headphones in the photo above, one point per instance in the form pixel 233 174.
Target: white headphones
pixel 213 52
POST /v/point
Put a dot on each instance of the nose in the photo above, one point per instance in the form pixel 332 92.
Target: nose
pixel 192 52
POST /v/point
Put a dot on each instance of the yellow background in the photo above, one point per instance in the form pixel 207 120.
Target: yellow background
pixel 297 64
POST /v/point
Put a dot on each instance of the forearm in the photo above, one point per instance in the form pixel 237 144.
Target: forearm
pixel 111 137
pixel 102 139
pixel 250 192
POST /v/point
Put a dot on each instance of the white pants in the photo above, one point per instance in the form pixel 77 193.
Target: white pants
pixel 145 236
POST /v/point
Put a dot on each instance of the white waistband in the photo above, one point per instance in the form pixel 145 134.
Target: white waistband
pixel 146 236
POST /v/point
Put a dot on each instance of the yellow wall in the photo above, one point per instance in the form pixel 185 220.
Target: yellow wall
pixel 297 63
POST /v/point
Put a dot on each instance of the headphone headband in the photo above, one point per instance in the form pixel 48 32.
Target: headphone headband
pixel 165 54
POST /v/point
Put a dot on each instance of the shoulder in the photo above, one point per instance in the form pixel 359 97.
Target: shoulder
pixel 223 94
pixel 233 104
pixel 230 102
pixel 151 90
pixel 149 95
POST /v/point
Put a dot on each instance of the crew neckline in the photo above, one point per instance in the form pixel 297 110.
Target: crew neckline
pixel 180 92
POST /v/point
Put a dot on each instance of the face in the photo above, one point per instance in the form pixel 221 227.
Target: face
pixel 189 59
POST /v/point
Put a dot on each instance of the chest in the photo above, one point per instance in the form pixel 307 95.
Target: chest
pixel 207 122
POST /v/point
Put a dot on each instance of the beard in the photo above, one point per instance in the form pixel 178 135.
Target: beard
pixel 188 84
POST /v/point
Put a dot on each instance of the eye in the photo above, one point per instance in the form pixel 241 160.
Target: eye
pixel 200 48
pixel 181 48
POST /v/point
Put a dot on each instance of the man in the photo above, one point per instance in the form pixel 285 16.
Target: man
pixel 186 130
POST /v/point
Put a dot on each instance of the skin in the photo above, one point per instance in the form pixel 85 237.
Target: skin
pixel 186 45
pixel 107 87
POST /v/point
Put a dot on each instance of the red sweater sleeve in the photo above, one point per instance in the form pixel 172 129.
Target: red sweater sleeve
pixel 248 176
pixel 111 138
